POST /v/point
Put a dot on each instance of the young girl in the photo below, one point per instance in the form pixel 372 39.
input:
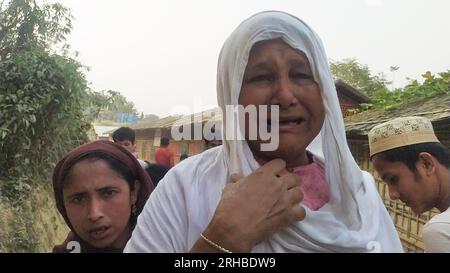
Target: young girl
pixel 100 188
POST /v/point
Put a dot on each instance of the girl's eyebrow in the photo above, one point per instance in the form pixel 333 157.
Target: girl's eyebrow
pixel 81 193
pixel 107 188
pixel 77 194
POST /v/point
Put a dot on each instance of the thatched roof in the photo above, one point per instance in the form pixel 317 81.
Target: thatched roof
pixel 349 91
pixel 436 108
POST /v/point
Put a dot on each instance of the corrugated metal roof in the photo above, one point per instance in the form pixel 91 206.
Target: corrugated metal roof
pixel 103 131
pixel 436 108
pixel 213 114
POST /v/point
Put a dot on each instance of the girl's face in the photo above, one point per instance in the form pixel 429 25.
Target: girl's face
pixel 98 203
pixel 277 74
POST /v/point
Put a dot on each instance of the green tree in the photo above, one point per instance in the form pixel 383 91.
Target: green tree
pixel 119 104
pixel 432 85
pixel 110 103
pixel 43 95
pixel 25 25
pixel 45 109
pixel 151 117
pixel 358 76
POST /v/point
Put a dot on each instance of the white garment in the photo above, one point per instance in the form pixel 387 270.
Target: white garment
pixel 354 220
pixel 436 233
pixel 143 163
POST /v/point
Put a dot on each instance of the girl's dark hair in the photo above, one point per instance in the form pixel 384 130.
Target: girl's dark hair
pixel 123 170
pixel 409 155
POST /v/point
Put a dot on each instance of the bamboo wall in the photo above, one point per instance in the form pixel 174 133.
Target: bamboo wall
pixel 409 225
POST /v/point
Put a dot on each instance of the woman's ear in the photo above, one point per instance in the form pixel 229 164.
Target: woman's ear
pixel 134 193
pixel 427 162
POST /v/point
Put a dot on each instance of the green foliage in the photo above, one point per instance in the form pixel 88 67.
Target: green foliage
pixel 21 239
pixel 46 106
pixel 46 109
pixel 26 25
pixel 432 85
pixel 113 103
pixel 33 224
pixel 44 96
pixel 94 104
pixel 358 76
pixel 16 191
pixel 41 105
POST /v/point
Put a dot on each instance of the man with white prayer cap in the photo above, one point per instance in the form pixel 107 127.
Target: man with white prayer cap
pixel 416 167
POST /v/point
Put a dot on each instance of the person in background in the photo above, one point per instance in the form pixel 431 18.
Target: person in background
pixel 240 197
pixel 164 155
pixel 156 171
pixel 126 137
pixel 416 168
pixel 100 189
pixel 183 157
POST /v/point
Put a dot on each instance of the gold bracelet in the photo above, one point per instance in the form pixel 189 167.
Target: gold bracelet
pixel 214 244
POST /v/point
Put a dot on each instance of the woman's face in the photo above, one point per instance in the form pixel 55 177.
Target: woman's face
pixel 98 204
pixel 277 74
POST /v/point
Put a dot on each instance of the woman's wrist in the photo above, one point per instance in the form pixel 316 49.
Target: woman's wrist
pixel 213 244
pixel 227 237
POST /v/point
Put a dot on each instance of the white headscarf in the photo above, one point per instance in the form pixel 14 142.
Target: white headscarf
pixel 183 204
pixel 355 216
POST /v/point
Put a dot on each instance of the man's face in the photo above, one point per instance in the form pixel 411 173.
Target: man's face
pixel 127 144
pixel 414 189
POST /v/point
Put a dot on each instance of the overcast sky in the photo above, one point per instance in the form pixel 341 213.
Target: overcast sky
pixel 162 55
